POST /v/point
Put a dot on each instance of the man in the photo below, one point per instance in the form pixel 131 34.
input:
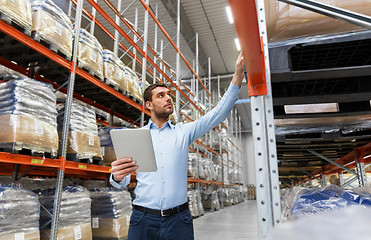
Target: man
pixel 160 208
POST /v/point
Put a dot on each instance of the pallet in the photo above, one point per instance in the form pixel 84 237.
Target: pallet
pixel 90 71
pixel 15 24
pixel 29 151
pixel 75 157
pixel 47 43
pixel 116 87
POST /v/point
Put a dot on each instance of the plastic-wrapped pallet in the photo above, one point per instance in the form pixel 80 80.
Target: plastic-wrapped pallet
pixel 192 202
pixel 75 215
pixel 28 116
pixel 114 70
pixel 19 213
pixel 133 84
pixel 52 25
pixel 110 212
pixel 18 11
pixel 90 54
pixel 201 169
pixel 201 211
pixel 83 140
pixel 192 165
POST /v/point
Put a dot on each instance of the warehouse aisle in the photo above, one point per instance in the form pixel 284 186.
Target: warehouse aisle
pixel 233 223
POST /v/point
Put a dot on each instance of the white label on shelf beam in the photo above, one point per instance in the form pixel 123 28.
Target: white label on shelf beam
pixel 91 139
pixel 77 231
pixel 19 236
pixel 58 28
pixel 95 222
pixel 39 127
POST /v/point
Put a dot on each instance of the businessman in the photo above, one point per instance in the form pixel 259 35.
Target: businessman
pixel 160 208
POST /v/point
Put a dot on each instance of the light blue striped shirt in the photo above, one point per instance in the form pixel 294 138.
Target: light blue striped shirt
pixel 167 187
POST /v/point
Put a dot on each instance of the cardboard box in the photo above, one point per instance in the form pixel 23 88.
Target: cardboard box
pixel 110 228
pixel 35 235
pixel 84 144
pixel 78 232
pixel 28 132
pixel 109 155
pixel 55 29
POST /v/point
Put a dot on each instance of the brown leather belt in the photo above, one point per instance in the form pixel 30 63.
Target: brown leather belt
pixel 163 213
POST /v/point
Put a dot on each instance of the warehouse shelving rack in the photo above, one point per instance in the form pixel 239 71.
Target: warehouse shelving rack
pixel 24 50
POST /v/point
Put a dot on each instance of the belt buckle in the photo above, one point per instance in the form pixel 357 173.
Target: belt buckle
pixel 163 213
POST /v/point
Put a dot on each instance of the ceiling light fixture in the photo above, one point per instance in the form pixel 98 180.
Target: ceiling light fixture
pixel 229 13
pixel 312 108
pixel 237 42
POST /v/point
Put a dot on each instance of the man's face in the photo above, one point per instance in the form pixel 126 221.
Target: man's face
pixel 162 103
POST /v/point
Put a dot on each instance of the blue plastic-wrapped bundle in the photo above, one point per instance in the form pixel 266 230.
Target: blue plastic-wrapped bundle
pixel 311 201
pixel 110 210
pixel 19 213
pixel 28 116
pixel 75 214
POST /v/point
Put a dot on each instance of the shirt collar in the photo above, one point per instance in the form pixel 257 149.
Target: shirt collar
pixel 152 124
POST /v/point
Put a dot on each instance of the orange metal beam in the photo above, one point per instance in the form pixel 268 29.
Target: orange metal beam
pixel 247 28
pixel 44 164
pixel 347 160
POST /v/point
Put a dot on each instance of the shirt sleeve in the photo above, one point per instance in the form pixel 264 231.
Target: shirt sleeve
pixel 214 117
pixel 121 184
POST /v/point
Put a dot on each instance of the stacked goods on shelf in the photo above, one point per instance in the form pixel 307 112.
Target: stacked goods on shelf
pixel 199 203
pixel 90 56
pixel 209 198
pixel 227 197
pixel 83 140
pixel 133 84
pixel 192 165
pixel 110 212
pixel 52 25
pixel 28 117
pixel 201 169
pixel 251 192
pixel 18 11
pixel 114 70
pixel 74 218
pixel 298 201
pixel 221 196
pixel 19 213
pixel 108 153
pixel 193 203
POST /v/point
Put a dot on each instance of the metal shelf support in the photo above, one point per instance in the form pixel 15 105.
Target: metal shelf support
pixel 66 123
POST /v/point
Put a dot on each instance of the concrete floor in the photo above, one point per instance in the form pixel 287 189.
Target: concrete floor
pixel 233 223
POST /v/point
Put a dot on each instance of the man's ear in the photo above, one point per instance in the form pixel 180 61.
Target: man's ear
pixel 149 105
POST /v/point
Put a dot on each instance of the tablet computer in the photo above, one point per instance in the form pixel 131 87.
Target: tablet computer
pixel 137 144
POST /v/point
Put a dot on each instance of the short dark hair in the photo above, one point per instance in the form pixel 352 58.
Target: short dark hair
pixel 147 95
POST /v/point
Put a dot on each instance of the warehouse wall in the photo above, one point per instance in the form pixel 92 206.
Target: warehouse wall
pixel 248 158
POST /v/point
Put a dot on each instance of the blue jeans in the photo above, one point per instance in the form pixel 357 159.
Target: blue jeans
pixel 145 226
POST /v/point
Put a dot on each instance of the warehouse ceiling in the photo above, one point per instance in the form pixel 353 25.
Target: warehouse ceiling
pixel 317 70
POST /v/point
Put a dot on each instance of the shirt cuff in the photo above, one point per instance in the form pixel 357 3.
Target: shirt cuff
pixel 121 184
